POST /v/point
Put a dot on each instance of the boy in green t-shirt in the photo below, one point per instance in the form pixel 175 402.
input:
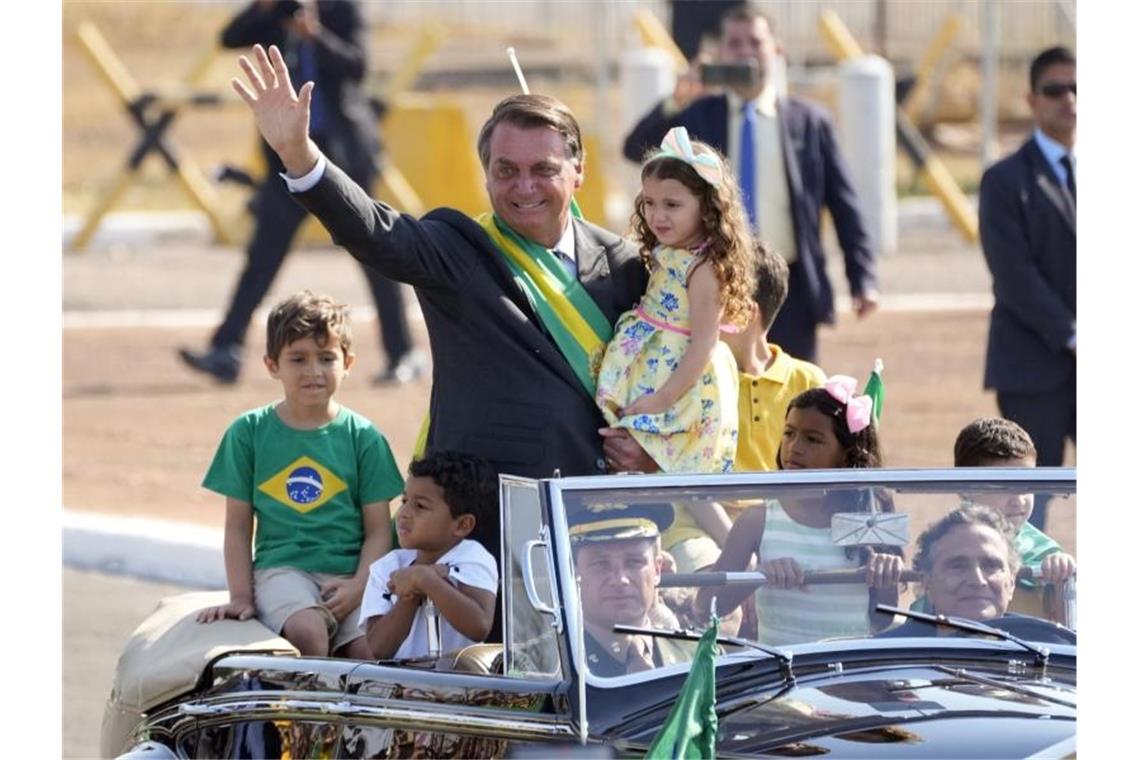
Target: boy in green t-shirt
pixel 318 477
pixel 998 442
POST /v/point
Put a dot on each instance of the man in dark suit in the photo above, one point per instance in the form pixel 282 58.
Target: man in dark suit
pixel 324 42
pixel 786 160
pixel 503 387
pixel 1027 213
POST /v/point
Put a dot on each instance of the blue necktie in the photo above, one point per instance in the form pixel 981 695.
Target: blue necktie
pixel 308 53
pixel 748 161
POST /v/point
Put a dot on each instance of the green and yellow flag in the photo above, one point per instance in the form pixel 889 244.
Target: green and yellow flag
pixel 690 729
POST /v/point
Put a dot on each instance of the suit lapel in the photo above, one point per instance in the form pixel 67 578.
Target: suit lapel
pixel 593 266
pixel 787 145
pixel 1050 186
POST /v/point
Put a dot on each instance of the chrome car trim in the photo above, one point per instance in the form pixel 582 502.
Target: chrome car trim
pixel 1041 477
pixel 428 718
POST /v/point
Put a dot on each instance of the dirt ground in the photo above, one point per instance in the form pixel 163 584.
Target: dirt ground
pixel 139 431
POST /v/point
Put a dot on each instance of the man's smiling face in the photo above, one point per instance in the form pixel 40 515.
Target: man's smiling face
pixel 531 179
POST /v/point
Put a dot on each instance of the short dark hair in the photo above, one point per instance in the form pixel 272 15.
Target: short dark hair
pixel 533 112
pixel 1045 59
pixel 860 450
pixel 746 12
pixel 973 514
pixel 992 438
pixel 307 315
pixel 771 284
pixel 470 485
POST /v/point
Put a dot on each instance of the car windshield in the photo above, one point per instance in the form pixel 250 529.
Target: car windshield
pixel 962 545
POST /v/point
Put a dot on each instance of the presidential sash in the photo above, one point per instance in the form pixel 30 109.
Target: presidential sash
pixel 567 311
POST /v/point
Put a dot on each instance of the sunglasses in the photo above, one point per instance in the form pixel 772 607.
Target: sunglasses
pixel 1058 89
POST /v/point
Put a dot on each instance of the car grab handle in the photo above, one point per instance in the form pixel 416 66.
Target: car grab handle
pixel 528 577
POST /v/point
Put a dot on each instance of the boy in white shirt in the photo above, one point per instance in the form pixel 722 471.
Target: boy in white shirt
pixel 445 496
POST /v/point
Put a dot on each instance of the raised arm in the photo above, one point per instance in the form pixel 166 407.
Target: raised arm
pixel 394 244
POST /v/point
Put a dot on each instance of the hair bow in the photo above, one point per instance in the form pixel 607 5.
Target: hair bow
pixel 677 145
pixel 857 408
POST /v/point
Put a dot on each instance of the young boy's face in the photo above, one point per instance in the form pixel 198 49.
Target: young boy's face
pixel 424 521
pixel 1014 507
pixel 309 372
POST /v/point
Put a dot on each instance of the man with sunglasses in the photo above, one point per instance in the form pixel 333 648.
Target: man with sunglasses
pixel 1027 209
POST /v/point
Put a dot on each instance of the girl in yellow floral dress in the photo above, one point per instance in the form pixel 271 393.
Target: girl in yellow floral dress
pixel 665 376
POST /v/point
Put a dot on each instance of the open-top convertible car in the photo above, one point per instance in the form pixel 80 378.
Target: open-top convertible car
pixel 599 630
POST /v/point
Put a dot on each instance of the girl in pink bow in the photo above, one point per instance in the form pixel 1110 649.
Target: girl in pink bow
pixel 824 428
pixel 665 376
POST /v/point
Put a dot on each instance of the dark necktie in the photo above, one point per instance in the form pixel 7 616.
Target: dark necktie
pixel 1070 175
pixel 308 54
pixel 748 161
pixel 567 263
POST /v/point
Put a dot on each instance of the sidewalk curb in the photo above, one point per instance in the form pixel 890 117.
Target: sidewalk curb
pixel 147 549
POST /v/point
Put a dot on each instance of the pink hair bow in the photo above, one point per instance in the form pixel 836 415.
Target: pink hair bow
pixel 857 408
pixel 677 145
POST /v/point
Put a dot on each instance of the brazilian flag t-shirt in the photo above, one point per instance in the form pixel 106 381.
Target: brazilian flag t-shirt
pixel 306 486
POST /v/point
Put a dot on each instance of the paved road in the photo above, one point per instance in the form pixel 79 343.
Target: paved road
pixel 99 613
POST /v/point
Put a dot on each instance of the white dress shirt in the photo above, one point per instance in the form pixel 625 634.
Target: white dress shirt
pixel 773 203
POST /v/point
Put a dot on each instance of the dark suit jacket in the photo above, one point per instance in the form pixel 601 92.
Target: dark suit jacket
pixel 350 138
pixel 817 177
pixel 501 388
pixel 1027 220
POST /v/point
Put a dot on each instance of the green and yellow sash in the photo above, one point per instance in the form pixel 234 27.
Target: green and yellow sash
pixel 567 311
pixel 578 326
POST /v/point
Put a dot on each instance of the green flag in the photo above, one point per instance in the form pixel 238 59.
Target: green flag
pixel 690 729
pixel 876 390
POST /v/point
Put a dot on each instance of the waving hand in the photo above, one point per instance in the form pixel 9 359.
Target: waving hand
pixel 282 114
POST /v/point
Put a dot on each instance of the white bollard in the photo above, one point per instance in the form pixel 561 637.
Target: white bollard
pixel 647 78
pixel 866 126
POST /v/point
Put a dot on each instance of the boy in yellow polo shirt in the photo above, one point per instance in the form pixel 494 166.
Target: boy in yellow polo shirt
pixel 769 378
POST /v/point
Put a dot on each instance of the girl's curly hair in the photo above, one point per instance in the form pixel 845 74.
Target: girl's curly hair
pixel 723 220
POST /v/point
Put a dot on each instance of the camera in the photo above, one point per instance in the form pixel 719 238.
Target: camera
pixel 730 74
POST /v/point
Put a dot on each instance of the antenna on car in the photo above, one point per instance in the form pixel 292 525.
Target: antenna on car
pixel 518 70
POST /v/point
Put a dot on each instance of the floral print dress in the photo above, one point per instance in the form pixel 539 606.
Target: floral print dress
pixel 698 433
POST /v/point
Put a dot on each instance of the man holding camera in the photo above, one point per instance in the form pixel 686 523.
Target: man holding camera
pixel 787 162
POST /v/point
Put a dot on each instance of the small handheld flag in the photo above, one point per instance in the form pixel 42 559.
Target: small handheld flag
pixel 876 390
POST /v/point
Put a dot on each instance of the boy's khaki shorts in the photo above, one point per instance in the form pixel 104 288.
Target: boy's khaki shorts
pixel 278 592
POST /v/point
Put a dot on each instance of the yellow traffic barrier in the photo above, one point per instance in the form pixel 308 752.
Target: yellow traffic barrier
pixel 429 138
pixel 931 169
pixel 923 77
pixel 153 114
pixel 591 196
pixel 654 34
